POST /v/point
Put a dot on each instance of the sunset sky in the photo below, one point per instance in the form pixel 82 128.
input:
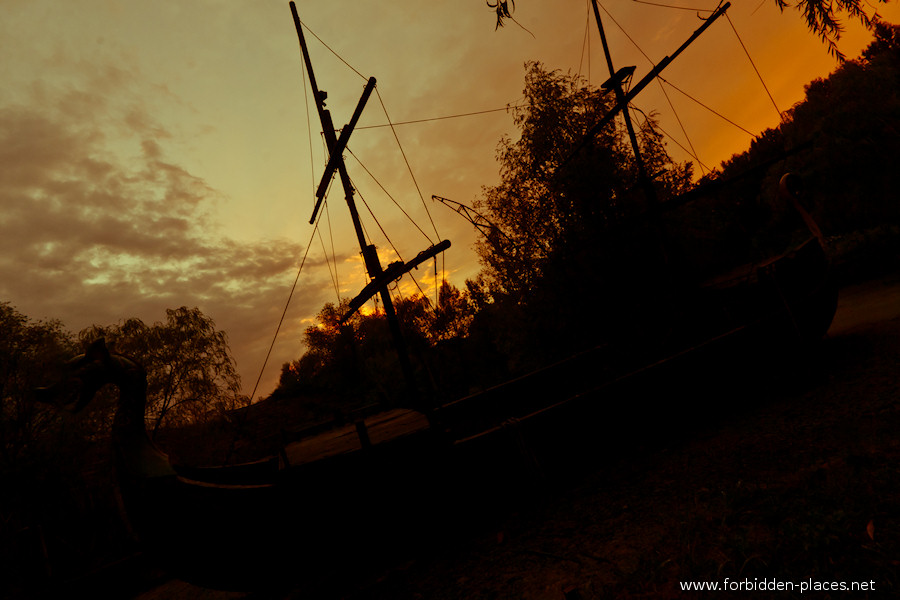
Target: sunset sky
pixel 154 155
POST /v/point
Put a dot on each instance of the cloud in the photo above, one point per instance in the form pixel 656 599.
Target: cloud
pixel 97 226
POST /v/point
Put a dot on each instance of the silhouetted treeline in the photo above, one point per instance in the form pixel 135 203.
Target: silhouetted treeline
pixel 847 130
pixel 59 519
pixel 53 523
pixel 352 365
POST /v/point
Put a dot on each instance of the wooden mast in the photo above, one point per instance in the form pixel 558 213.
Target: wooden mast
pixel 622 104
pixel 616 84
pixel 374 269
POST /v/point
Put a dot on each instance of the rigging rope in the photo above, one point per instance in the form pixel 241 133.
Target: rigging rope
pixel 673 6
pixel 331 272
pixel 337 277
pixel 408 166
pixel 339 57
pixel 314 231
pixel 397 204
pixel 662 80
pixel 318 218
pixel 333 260
pixel 680 124
pixel 389 241
pixel 402 152
pixel 586 43
pixel 721 116
pixel 671 138
pixel 507 108
pixel 284 312
pixel 377 222
pixel 309 130
pixel 780 114
pixel 672 106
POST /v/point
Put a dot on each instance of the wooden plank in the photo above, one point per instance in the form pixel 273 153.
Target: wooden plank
pixel 382 427
pixel 388 426
pixel 342 440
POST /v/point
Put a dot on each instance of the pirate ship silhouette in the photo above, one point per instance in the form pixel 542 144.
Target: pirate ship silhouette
pixel 348 493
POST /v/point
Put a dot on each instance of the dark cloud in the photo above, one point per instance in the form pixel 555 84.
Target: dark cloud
pixel 91 234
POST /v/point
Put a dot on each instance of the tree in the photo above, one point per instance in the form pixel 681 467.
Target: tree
pixel 575 235
pixel 529 206
pixel 329 350
pixel 47 519
pixel 502 9
pixel 552 203
pixel 28 352
pixel 191 374
pixel 357 361
pixel 822 16
pixel 453 315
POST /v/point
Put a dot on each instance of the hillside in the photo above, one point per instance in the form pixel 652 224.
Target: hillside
pixel 795 481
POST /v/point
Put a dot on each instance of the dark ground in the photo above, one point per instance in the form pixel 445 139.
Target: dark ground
pixel 798 482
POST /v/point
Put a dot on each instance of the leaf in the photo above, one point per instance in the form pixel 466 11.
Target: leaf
pixel 870 529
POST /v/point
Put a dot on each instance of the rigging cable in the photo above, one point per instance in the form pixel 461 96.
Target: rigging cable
pixel 406 160
pixel 683 130
pixel 397 204
pixel 780 114
pixel 312 178
pixel 672 139
pixel 315 227
pixel 673 6
pixel 412 175
pixel 586 43
pixel 400 146
pixel 337 277
pixel 309 130
pixel 507 108
pixel 694 152
pixel 713 111
pixel 246 413
pixel 331 272
pixel 662 80
pixel 389 241
pixel 284 312
pixel 672 106
pixel 305 254
pixel 339 57
pixel 326 210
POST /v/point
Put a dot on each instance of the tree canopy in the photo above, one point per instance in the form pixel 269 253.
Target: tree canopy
pixel 357 360
pixel 569 243
pixel 28 352
pixel 550 201
pixel 191 374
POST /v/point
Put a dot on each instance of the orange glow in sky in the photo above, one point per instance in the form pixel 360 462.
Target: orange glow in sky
pixel 165 154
